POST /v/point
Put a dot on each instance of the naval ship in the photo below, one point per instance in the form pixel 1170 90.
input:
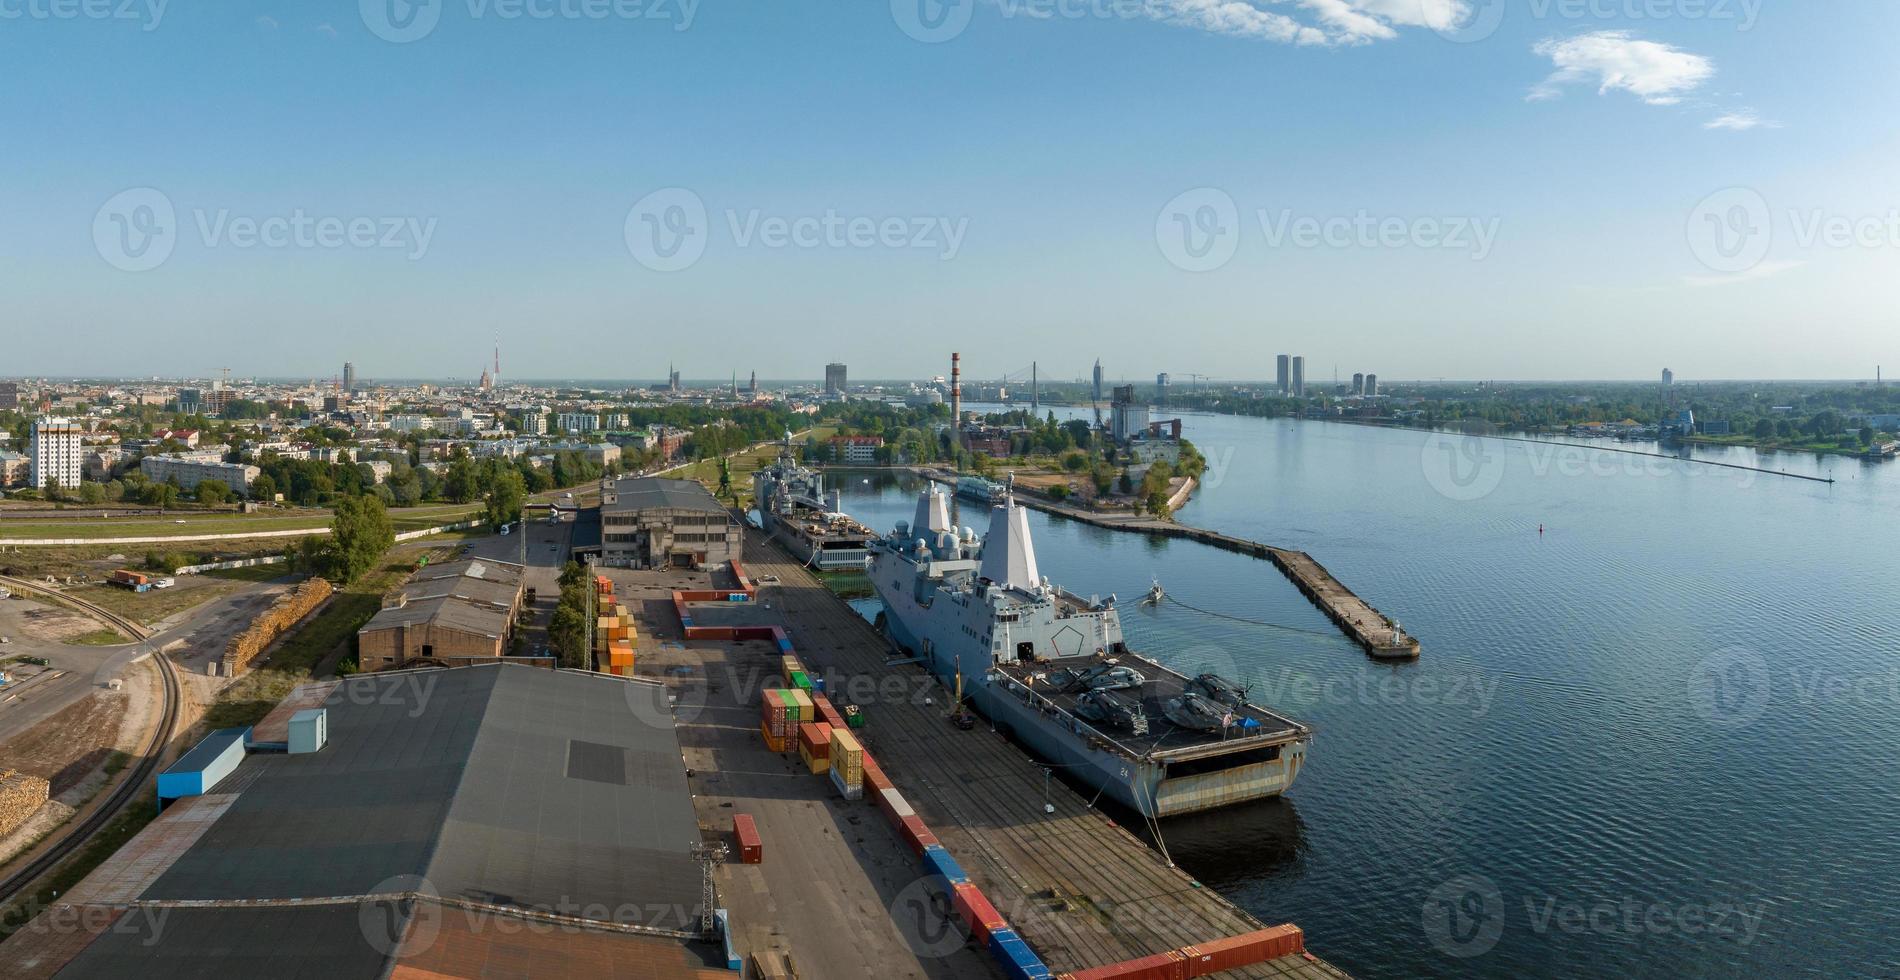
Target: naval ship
pixel 794 507
pixel 1051 669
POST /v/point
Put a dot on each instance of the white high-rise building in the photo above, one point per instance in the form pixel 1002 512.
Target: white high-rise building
pixel 57 454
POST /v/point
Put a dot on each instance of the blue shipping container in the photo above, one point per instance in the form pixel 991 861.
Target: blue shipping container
pixel 197 771
pixel 1018 961
pixel 939 862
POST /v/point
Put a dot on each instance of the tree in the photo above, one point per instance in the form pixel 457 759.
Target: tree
pixel 52 488
pixel 92 493
pixel 506 493
pixel 1764 428
pixel 263 488
pixel 1866 435
pixel 213 492
pixel 359 534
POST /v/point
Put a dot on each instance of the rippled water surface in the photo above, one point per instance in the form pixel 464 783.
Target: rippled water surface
pixel 1655 739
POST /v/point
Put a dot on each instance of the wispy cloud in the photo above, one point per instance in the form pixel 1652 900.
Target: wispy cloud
pixel 1762 270
pixel 1740 120
pixel 1617 60
pixel 267 23
pixel 1307 22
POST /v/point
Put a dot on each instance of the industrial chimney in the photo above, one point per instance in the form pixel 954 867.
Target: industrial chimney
pixel 956 393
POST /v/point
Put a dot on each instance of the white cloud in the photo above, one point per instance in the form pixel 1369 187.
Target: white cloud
pixel 267 23
pixel 1325 22
pixel 1762 270
pixel 1740 121
pixel 1656 73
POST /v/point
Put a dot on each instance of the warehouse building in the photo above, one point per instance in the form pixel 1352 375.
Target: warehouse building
pixel 486 821
pixel 455 613
pixel 647 522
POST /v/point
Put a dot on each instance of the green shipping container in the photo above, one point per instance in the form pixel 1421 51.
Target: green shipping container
pixel 801 680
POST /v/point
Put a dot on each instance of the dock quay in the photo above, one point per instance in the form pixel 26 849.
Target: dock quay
pixel 1082 891
pixel 1366 626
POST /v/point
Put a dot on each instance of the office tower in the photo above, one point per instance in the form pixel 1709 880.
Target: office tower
pixel 57 454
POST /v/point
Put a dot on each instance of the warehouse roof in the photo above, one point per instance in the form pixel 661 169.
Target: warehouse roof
pixel 652 492
pixel 503 787
pixel 470 596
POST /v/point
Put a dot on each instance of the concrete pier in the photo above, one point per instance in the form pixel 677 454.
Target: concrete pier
pixel 1081 889
pixel 1354 616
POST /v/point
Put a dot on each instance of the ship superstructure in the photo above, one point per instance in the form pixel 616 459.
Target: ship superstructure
pixel 1052 668
pixel 794 506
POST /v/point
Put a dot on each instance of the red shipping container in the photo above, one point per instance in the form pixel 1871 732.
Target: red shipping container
pixel 815 737
pixel 1161 966
pixel 751 851
pixel 1243 950
pixel 916 834
pixel 977 912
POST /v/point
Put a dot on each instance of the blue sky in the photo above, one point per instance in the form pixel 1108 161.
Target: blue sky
pixel 1412 187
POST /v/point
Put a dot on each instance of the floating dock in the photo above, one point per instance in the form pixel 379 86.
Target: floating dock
pixel 1368 627
pixel 1083 892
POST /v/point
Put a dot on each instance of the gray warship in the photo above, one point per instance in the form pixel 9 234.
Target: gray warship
pixel 794 507
pixel 1051 669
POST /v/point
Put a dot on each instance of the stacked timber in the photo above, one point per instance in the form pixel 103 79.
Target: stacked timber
pixel 247 646
pixel 21 796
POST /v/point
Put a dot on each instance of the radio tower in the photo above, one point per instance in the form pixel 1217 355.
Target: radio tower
pixel 497 375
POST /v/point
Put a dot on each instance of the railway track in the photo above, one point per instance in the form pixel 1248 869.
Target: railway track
pixel 128 788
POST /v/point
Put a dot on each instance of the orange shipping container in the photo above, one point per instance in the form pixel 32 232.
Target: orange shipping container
pixel 977 913
pixel 1243 950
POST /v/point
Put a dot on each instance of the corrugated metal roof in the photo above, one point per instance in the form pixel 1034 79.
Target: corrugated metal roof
pixel 651 492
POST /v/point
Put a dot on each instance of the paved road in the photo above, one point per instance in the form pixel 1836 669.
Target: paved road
pixel 543 548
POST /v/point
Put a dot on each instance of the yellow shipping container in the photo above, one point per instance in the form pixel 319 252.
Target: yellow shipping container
pixel 847 755
pixel 806 710
pixel 790 665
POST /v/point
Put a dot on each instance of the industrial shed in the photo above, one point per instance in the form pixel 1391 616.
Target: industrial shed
pixel 648 522
pixel 452 614
pixel 460 823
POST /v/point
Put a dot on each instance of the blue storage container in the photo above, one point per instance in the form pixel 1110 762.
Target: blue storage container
pixel 197 771
pixel 1018 961
pixel 939 862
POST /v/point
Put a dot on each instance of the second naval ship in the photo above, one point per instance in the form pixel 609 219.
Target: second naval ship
pixel 1051 668
pixel 794 507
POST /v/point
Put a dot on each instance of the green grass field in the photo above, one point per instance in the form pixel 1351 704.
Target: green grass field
pixel 315 520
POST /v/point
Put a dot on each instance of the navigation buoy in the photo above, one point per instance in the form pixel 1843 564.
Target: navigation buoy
pixel 1540 530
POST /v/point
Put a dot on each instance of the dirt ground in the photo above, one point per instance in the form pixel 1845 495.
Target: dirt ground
pixel 53 624
pixel 66 748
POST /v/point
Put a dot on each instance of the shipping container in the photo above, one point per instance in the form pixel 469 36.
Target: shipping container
pixel 789 665
pixel 1161 966
pixel 850 791
pixel 938 861
pixel 895 806
pixel 917 835
pixel 806 712
pixel 773 742
pixel 847 756
pixel 1243 950
pixel 1018 961
pixel 746 835
pixel 778 714
pixel 981 916
pixel 198 771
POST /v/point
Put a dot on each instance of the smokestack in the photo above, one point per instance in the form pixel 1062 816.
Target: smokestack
pixel 956 392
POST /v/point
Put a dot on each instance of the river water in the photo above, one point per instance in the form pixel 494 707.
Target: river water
pixel 1652 732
